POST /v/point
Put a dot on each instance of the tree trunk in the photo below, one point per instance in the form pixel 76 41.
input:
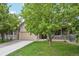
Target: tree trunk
pixel 7 36
pixel 49 39
pixel 11 35
pixel 38 37
pixel 18 35
pixel 61 32
pixel 2 36
pixel 77 38
pixel 68 33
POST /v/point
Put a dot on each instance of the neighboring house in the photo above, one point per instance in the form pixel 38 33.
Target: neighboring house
pixel 24 35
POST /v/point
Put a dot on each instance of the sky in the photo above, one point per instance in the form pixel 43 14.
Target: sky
pixel 15 7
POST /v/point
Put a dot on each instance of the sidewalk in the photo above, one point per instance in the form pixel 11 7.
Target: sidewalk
pixel 9 47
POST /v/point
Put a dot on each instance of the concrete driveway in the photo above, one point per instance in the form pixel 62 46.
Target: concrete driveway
pixel 9 47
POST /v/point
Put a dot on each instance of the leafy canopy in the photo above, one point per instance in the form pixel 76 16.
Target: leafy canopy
pixel 48 18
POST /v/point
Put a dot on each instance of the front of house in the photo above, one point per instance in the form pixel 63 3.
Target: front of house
pixel 24 35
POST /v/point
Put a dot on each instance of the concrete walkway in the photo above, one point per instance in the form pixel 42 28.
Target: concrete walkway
pixel 9 47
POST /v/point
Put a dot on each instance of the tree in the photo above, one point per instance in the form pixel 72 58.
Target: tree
pixel 40 19
pixel 76 28
pixel 8 22
pixel 46 19
pixel 3 19
pixel 13 22
pixel 70 14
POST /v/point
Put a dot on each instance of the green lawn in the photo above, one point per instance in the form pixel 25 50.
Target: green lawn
pixel 4 41
pixel 41 48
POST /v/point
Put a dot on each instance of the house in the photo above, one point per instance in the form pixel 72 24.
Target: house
pixel 23 34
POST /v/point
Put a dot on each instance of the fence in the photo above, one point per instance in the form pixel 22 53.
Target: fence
pixel 9 36
pixel 59 37
pixel 71 37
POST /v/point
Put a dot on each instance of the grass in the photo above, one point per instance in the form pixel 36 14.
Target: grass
pixel 41 48
pixel 4 41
